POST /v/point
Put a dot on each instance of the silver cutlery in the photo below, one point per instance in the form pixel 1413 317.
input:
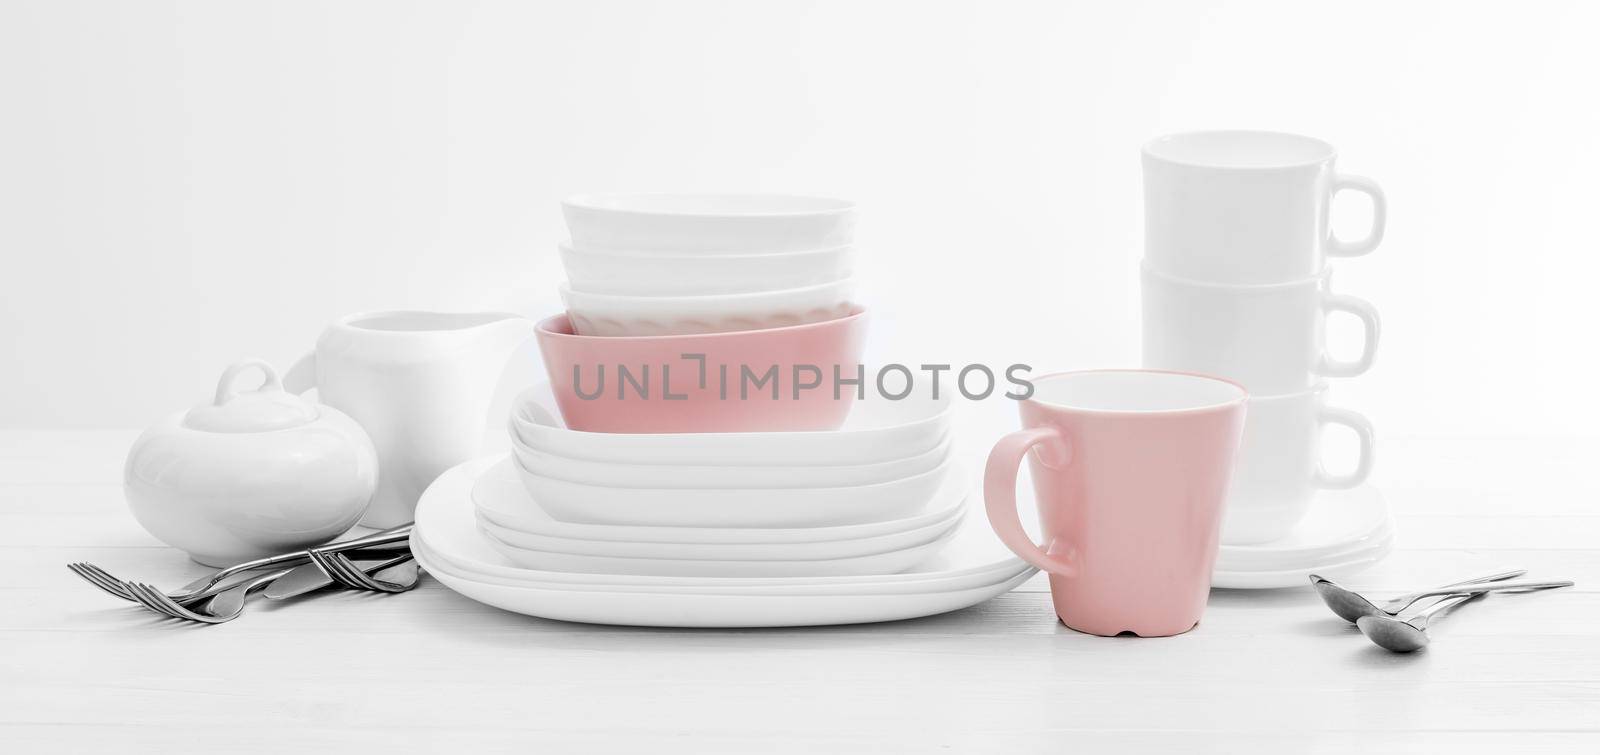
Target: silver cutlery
pixel 1351 605
pixel 206 587
pixel 223 607
pixel 337 566
pixel 1409 634
pixel 311 577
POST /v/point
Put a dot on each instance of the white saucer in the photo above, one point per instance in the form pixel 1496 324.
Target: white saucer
pixel 1343 533
pixel 974 569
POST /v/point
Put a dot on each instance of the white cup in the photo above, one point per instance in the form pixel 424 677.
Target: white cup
pixel 1268 338
pixel 1279 467
pixel 1247 206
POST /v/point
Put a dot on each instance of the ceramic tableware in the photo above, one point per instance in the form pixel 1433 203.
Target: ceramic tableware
pixel 499 498
pixel 877 430
pixel 251 473
pixel 1268 337
pixel 419 383
pixel 631 273
pixel 560 467
pixel 749 381
pixel 891 561
pixel 708 223
pixel 1342 533
pixel 1247 206
pixel 595 314
pixel 1130 470
pixel 710 610
pixel 1280 465
pixel 734 507
pixel 499 489
pixel 973 569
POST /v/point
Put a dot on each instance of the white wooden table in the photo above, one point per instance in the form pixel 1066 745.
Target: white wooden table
pixel 429 670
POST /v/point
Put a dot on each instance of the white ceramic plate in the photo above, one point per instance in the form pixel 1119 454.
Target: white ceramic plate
pixel 446 532
pixel 1337 523
pixel 1345 533
pixel 494 484
pixel 702 610
pixel 595 314
pixel 709 223
pixel 734 507
pixel 878 430
pixel 500 498
pixel 892 561
pixel 610 474
pixel 1269 580
pixel 631 273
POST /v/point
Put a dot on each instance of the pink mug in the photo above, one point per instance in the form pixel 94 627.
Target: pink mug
pixel 1130 469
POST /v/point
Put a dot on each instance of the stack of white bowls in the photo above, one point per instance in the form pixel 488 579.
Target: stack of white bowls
pixel 1236 285
pixel 666 264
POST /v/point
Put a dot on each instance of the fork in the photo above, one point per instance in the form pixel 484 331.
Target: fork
pixel 206 587
pixel 339 568
pixel 226 606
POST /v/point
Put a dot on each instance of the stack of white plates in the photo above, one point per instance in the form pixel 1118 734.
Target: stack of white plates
pixel 1344 532
pixel 969 568
pixel 721 529
pixel 662 264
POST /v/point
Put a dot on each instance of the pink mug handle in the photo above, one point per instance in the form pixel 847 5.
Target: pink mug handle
pixel 1000 497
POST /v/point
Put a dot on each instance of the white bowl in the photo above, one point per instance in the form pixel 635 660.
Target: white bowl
pixel 596 314
pixel 499 497
pixel 892 561
pixel 877 430
pixel 615 475
pixel 709 223
pixel 632 273
pixel 733 507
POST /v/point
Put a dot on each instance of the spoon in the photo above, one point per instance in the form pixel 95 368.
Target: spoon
pixel 1351 605
pixel 1411 634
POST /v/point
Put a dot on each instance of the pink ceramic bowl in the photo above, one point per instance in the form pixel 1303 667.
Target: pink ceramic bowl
pixel 660 384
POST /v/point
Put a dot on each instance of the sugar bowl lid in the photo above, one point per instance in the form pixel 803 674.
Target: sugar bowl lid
pixel 264 409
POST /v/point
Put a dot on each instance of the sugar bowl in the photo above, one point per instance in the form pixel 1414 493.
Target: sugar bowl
pixel 250 473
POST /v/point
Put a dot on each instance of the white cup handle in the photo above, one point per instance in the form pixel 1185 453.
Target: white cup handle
pixel 302 376
pixel 1380 214
pixel 1363 431
pixel 1368 315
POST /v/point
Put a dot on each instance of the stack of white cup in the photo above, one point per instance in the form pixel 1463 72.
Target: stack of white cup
pixel 1236 284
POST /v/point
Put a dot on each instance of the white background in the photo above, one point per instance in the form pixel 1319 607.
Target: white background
pixel 184 184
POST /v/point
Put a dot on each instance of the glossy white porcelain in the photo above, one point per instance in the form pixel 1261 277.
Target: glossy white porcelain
pixel 1337 526
pixel 419 383
pixel 709 223
pixel 891 561
pixel 1343 533
pixel 610 474
pixel 250 474
pixel 633 273
pixel 1279 467
pixel 446 536
pixel 501 499
pixel 708 610
pixel 1247 206
pixel 596 314
pixel 1268 338
pixel 499 489
pixel 877 430
pixel 734 507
